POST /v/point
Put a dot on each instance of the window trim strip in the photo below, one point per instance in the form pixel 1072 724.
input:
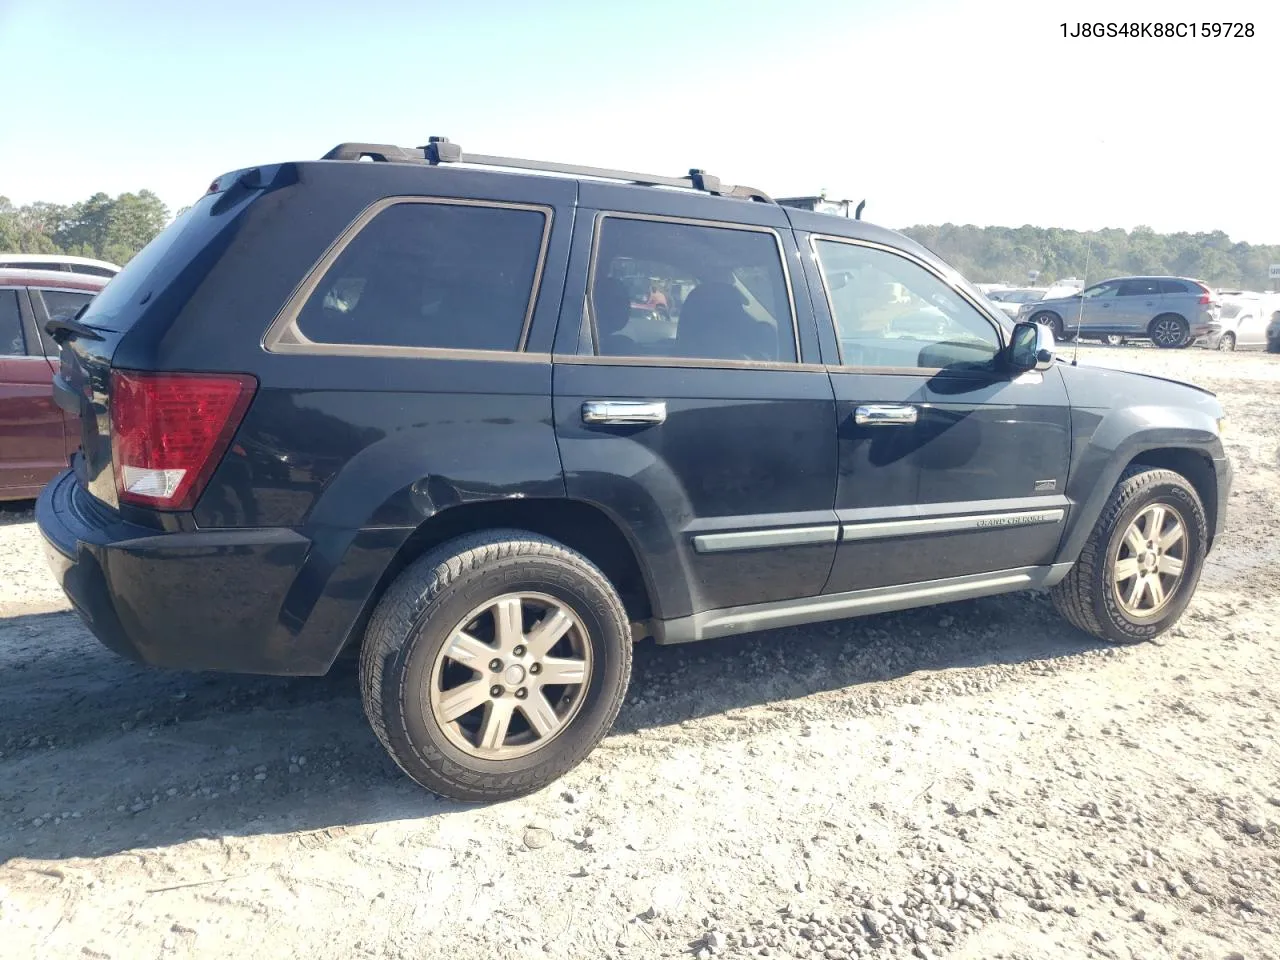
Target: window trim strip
pixel 283 335
pixel 597 229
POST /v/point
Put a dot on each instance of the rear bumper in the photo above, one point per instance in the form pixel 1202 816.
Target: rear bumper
pixel 203 600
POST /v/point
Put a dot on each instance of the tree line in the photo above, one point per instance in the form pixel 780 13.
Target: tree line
pixel 116 228
pixel 1009 254
pixel 102 227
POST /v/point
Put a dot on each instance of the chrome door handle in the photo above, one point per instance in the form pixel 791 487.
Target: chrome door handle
pixel 624 411
pixel 885 416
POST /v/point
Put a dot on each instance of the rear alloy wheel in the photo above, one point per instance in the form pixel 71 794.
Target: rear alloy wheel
pixel 1140 566
pixel 1051 320
pixel 1169 332
pixel 1227 342
pixel 1114 340
pixel 494 664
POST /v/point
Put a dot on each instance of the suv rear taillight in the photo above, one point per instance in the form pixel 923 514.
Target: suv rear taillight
pixel 169 431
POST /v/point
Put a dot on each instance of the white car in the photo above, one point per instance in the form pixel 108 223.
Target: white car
pixel 1011 300
pixel 1242 323
pixel 61 262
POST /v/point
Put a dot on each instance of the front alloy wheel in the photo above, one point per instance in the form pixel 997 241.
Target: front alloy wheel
pixel 1150 561
pixel 1140 565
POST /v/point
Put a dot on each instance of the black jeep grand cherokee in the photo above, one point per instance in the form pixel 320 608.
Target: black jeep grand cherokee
pixel 492 427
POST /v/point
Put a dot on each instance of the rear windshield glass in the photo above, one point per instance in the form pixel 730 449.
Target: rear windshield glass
pixel 115 308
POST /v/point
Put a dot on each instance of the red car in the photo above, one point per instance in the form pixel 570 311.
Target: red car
pixel 36 436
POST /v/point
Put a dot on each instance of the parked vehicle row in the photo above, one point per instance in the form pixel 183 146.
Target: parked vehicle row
pixel 409 406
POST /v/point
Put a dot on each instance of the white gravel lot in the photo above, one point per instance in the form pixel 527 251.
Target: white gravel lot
pixel 975 780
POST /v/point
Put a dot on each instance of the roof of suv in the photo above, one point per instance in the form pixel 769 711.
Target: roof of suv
pixel 12 277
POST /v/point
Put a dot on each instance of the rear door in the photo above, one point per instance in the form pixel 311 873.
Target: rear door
pixel 949 466
pixel 32 440
pixel 1252 326
pixel 1136 304
pixel 707 431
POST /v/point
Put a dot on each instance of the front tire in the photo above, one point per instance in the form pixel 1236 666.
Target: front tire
pixel 1114 340
pixel 494 664
pixel 1142 562
pixel 1051 320
pixel 1227 342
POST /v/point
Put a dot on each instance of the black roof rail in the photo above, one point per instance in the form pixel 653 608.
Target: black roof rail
pixel 440 150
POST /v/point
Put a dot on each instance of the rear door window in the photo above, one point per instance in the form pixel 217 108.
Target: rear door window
pixel 12 342
pixel 1139 287
pixel 435 275
pixel 695 291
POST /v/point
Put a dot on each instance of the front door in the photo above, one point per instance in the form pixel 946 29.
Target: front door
pixel 32 441
pixel 698 427
pixel 948 465
pixel 1097 311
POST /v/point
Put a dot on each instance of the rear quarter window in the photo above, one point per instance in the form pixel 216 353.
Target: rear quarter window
pixel 432 275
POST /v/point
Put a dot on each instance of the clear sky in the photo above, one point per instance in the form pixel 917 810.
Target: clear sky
pixel 968 112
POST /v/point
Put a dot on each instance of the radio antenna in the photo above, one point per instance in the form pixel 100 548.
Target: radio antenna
pixel 1084 285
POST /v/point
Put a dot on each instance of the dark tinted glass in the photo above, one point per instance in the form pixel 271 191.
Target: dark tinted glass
pixel 431 275
pixel 698 292
pixel 12 343
pixel 1173 286
pixel 1139 288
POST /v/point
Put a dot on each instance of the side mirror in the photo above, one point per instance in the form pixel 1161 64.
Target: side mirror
pixel 1030 347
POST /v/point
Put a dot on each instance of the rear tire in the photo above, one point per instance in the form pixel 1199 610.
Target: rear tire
pixel 456 667
pixel 1169 331
pixel 1227 342
pixel 1099 598
pixel 1114 340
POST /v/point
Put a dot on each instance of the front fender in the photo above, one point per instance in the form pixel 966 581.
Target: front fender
pixel 1108 437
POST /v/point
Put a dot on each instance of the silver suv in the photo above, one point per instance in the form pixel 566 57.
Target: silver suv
pixel 1168 311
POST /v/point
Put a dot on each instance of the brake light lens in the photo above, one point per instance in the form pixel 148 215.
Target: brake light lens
pixel 170 430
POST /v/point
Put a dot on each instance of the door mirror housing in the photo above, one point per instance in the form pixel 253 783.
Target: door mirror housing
pixel 1031 347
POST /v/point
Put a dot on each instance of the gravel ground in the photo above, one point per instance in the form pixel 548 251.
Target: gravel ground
pixel 974 780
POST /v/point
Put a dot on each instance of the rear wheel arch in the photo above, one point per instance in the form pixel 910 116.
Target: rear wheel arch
pixel 578 525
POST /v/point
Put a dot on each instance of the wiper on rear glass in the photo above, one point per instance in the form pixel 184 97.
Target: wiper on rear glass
pixel 62 328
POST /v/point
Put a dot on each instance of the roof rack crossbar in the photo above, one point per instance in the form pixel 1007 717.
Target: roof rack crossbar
pixel 441 150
